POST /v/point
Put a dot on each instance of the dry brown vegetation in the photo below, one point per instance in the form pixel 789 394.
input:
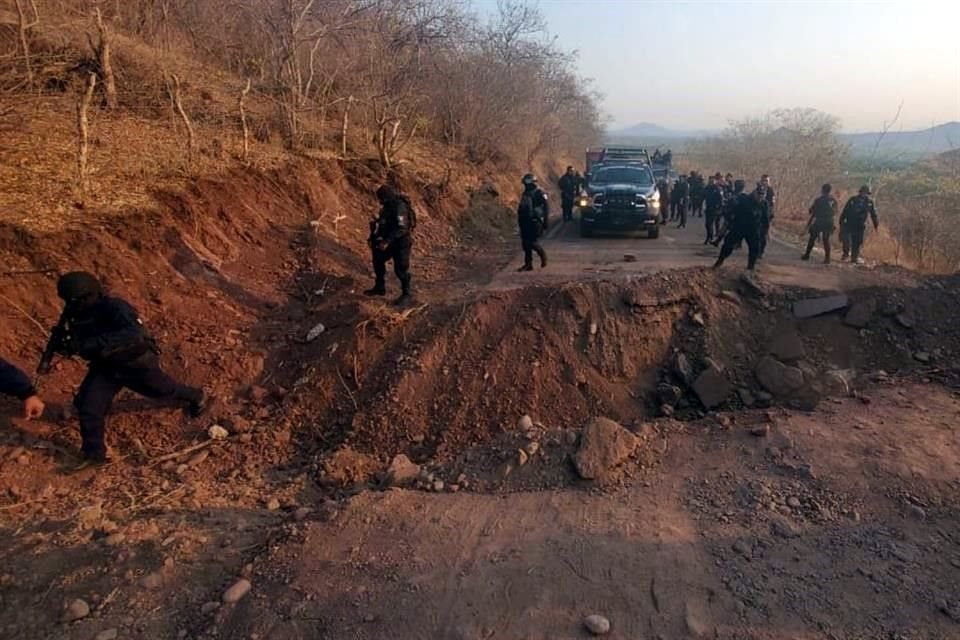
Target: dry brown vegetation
pixel 358 78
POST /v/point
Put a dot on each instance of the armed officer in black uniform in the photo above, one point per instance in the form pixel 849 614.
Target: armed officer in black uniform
pixel 533 217
pixel 391 238
pixel 14 382
pixel 569 185
pixel 713 198
pixel 107 332
pixel 745 215
pixel 853 223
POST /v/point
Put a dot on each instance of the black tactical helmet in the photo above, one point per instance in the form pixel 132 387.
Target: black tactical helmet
pixel 78 285
pixel 386 193
pixel 865 190
pixel 827 188
pixel 738 185
pixel 529 179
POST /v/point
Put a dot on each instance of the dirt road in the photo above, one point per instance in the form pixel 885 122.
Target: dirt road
pixel 601 257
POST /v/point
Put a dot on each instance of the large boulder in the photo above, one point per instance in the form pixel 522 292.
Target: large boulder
pixel 603 446
pixel 712 386
pixel 402 471
pixel 812 307
pixel 778 378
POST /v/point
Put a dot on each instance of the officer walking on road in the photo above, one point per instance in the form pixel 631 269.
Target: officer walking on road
pixel 767 214
pixel 569 190
pixel 391 238
pixel 853 223
pixel 823 213
pixel 745 214
pixel 663 188
pixel 713 199
pixel 14 382
pixel 107 332
pixel 533 216
pixel 679 201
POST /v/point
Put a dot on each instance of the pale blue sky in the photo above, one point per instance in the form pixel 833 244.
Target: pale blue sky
pixel 700 64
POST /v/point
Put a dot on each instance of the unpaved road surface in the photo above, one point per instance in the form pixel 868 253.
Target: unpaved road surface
pixel 606 257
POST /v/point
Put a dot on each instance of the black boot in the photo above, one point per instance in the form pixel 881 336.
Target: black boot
pixel 379 289
pixel 526 267
pixel 200 406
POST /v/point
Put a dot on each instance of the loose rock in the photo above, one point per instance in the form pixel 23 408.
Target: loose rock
pixel 524 424
pixel 786 344
pixel 597 625
pixel 216 432
pixel 152 581
pixel 784 528
pixel 778 378
pixel 680 367
pixel 209 607
pixel 668 394
pixel 818 306
pixel 522 457
pixel 760 430
pixel 859 314
pixel 402 471
pixel 712 387
pixel 108 634
pixel 237 591
pixel 603 446
pixel 77 610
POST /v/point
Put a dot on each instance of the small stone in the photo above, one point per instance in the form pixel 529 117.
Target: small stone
pixel 784 528
pixel 594 328
pixel 198 458
pixel 743 547
pixel 905 319
pixel 216 432
pixel 571 437
pixel 712 387
pixel 532 448
pixel 108 634
pixel 438 485
pixel 209 607
pixel 760 430
pixel 273 504
pixel 597 625
pixel 89 517
pixel 302 513
pixel 730 295
pixel 315 332
pixel 921 356
pixel 524 424
pixel 522 457
pixel 793 502
pixel 237 591
pixel 152 581
pixel 666 410
pixel 401 471
pixel 917 512
pixel 698 319
pixel 78 610
pixel 746 397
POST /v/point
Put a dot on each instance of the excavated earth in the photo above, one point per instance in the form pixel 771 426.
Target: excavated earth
pixel 826 511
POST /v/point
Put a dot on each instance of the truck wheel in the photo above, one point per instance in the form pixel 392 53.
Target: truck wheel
pixel 654 232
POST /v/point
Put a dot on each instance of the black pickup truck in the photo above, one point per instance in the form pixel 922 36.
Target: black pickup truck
pixel 621 197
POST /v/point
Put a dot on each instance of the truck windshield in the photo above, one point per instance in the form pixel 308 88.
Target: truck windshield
pixel 626 175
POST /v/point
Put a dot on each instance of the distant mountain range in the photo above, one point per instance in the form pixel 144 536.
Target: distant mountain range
pixel 938 139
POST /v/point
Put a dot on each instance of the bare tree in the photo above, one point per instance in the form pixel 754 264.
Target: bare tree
pixel 243 120
pixel 24 26
pixel 83 105
pixel 176 99
pixel 103 51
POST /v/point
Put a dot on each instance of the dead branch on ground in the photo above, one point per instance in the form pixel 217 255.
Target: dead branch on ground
pixel 243 120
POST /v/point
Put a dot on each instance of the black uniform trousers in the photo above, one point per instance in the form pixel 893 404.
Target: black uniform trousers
pixel 738 233
pixel 712 222
pixel 399 251
pixel 103 382
pixel 681 210
pixel 764 235
pixel 567 203
pixel 853 240
pixel 822 232
pixel 530 241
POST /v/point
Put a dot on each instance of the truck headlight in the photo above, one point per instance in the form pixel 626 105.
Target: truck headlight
pixel 582 202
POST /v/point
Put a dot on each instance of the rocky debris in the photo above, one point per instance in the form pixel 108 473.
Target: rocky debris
pixel 698 319
pixel 777 378
pixel 836 382
pixel 668 394
pixel 681 369
pixel 594 328
pixel 905 319
pixel 751 285
pixel 209 607
pixel 438 486
pixel 216 432
pixel 402 471
pixel 76 610
pixel 115 539
pixel 793 502
pixel 764 399
pixel 746 397
pixel 730 295
pixel 522 457
pixel 152 581
pixel 786 344
pixel 603 446
pixel 597 625
pixel 784 528
pixel 921 356
pixel 107 634
pixel 524 424
pixel 237 591
pixel 859 314
pixel 531 448
pixel 712 387
pixel 812 307
pixel 760 430
pixel 743 547
pixel 273 504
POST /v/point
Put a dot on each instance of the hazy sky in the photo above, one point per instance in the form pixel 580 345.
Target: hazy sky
pixel 699 64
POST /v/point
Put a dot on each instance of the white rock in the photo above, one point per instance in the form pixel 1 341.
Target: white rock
pixel 108 634
pixel 525 424
pixel 314 333
pixel 597 625
pixel 216 432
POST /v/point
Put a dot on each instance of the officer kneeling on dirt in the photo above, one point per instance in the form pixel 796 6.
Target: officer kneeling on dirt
pixel 391 238
pixel 107 333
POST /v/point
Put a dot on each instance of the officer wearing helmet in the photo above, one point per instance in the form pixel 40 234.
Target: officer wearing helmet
pixel 533 216
pixel 744 225
pixel 853 223
pixel 107 332
pixel 391 238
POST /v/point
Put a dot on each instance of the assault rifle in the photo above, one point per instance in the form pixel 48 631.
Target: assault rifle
pixel 59 336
